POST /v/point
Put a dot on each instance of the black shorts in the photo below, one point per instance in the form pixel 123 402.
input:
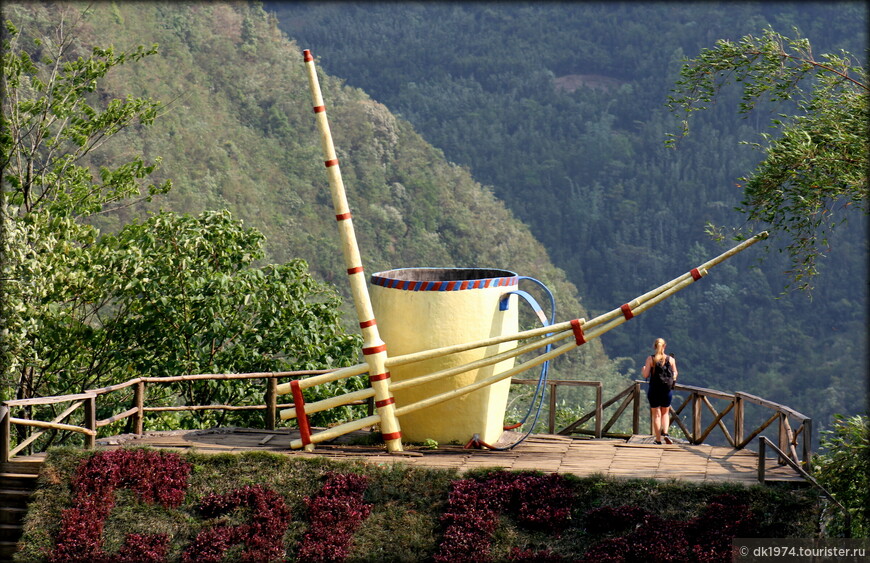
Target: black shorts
pixel 659 397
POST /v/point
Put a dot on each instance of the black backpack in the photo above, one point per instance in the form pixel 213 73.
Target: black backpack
pixel 663 376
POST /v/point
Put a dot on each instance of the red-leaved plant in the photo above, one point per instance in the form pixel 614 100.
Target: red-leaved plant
pixel 541 502
pixel 155 477
pixel 706 538
pixel 334 514
pixel 262 535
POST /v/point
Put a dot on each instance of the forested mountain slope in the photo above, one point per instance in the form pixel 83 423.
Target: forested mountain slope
pixel 561 108
pixel 237 132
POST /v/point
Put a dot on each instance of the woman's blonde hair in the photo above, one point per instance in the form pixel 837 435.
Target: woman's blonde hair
pixel 659 346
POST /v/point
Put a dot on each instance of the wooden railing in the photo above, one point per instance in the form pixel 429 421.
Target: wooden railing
pixel 795 441
pixel 696 428
pixel 87 401
pixel 554 385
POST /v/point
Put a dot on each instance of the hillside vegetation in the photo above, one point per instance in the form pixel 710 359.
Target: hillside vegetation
pixel 562 109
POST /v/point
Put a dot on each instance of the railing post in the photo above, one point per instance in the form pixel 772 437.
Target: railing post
pixel 551 427
pixel 271 402
pixel 5 433
pixel 139 405
pixel 762 446
pixel 696 417
pixel 91 422
pixel 738 420
pixel 808 444
pixel 635 410
pixel 599 412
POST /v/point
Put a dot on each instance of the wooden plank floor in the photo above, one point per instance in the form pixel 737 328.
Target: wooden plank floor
pixel 634 458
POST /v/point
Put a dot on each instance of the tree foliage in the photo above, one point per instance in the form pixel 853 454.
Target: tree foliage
pixel 51 123
pixel 843 468
pixel 816 163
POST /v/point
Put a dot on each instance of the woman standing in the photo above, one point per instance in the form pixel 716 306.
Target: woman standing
pixel 656 369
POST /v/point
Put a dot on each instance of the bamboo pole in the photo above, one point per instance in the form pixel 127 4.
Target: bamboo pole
pixel 358 369
pixel 437 399
pixel 339 430
pixel 330 403
pixel 374 349
pixel 559 331
pixel 483 362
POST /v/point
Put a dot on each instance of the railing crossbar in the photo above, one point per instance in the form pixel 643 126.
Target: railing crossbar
pixel 717 421
pixel 617 414
pixel 35 436
pixel 676 420
pixel 758 431
pixel 572 428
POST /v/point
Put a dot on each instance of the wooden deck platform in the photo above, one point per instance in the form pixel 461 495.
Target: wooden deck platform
pixel 637 457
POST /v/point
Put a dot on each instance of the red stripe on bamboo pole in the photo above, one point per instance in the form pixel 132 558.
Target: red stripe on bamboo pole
pixel 696 275
pixel 578 332
pixel 379 376
pixel 626 312
pixel 392 436
pixel 331 162
pixel 366 324
pixel 319 109
pixel 306 55
pixel 385 402
pixel 301 417
pixel 343 216
pixel 374 350
pixel 354 270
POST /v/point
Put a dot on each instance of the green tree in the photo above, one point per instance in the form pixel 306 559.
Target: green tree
pixel 50 126
pixel 816 164
pixel 197 304
pixel 843 468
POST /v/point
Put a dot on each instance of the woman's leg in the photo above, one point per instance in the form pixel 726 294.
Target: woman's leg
pixel 656 423
pixel 665 415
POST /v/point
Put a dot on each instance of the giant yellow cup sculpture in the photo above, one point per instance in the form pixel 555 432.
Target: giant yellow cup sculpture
pixel 425 308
